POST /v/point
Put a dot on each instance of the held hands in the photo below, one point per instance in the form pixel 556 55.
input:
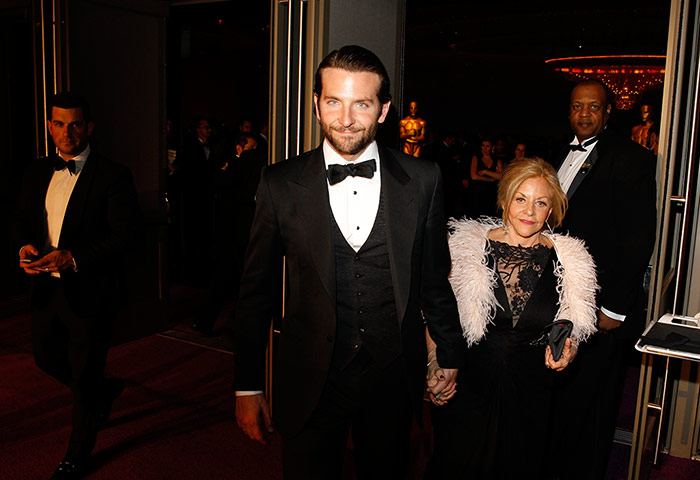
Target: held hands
pixel 56 261
pixel 253 417
pixel 440 382
pixel 567 356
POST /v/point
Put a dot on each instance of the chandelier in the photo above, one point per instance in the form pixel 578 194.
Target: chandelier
pixel 627 76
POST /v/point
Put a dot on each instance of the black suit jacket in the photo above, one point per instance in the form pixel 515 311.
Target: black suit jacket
pixel 101 222
pixel 293 218
pixel 613 209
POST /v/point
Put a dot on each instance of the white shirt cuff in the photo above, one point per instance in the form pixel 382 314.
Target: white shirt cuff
pixel 246 393
pixel 613 315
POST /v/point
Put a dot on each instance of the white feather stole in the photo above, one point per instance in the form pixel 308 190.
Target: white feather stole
pixel 473 282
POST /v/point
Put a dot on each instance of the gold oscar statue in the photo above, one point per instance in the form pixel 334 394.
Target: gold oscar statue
pixel 412 130
pixel 643 133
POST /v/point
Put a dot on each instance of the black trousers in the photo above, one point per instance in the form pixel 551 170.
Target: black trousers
pixel 370 402
pixel 73 350
pixel 586 397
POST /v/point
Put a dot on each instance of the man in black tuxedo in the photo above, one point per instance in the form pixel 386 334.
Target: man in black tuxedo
pixel 363 232
pixel 198 164
pixel 78 213
pixel 234 187
pixel 611 185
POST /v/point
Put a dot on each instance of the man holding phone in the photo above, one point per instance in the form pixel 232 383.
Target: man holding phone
pixel 78 213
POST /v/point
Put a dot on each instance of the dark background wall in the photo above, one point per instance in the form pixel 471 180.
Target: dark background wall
pixel 218 63
pixel 17 141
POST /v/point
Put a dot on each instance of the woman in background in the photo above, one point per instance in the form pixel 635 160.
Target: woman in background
pixel 485 171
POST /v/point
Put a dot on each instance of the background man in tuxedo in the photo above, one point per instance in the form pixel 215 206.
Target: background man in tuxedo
pixel 611 185
pixel 77 215
pixel 198 164
pixel 365 254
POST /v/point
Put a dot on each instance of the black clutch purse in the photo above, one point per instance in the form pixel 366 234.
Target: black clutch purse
pixel 555 334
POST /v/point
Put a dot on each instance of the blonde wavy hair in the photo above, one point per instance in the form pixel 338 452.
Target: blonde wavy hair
pixel 517 172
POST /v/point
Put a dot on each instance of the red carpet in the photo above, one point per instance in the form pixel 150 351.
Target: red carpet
pixel 175 419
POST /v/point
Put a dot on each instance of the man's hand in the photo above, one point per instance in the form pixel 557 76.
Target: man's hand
pixel 28 252
pixel 252 414
pixel 605 323
pixel 441 383
pixel 56 261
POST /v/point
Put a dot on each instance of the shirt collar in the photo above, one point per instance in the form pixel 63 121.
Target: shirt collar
pixel 592 144
pixel 80 159
pixel 330 156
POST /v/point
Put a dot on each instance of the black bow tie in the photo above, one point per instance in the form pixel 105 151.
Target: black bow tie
pixel 61 164
pixel 338 173
pixel 581 147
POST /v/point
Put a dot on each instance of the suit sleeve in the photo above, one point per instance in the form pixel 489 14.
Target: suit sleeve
pixel 437 299
pixel 257 299
pixel 634 234
pixel 23 225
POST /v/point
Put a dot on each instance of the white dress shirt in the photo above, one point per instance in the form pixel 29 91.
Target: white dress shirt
pixel 573 163
pixel 57 196
pixel 354 201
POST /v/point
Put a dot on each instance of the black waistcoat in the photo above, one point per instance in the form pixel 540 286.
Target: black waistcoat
pixel 366 310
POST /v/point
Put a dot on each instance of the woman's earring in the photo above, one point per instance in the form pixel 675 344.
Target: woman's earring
pixel 549 229
pixel 546 222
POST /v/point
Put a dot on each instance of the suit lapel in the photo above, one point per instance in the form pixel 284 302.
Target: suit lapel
pixel 581 175
pixel 309 194
pixel 78 201
pixel 399 192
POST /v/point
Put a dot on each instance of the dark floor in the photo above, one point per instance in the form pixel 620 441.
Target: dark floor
pixel 185 303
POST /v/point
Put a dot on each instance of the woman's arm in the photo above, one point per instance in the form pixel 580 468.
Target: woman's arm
pixel 478 175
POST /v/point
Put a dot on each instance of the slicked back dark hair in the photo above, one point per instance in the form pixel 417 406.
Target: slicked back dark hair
pixel 70 100
pixel 609 95
pixel 354 58
pixel 241 138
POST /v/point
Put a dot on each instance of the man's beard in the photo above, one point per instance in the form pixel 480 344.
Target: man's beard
pixel 350 146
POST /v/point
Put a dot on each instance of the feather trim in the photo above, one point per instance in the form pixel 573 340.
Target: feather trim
pixel 576 285
pixel 473 282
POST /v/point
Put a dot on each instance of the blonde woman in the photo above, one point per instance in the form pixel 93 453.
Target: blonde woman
pixel 512 278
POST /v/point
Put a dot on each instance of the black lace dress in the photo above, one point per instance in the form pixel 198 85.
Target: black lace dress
pixel 496 425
